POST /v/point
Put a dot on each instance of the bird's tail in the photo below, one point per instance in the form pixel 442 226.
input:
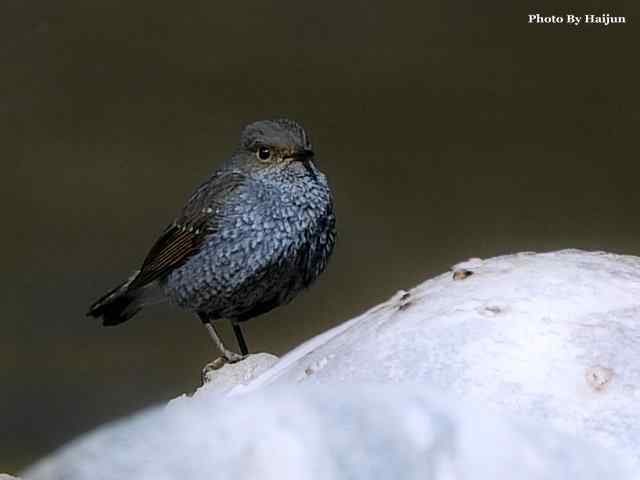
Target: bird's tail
pixel 118 305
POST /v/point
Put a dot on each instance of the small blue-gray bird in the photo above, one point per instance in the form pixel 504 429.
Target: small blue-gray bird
pixel 259 230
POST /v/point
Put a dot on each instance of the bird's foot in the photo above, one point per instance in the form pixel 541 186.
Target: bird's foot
pixel 211 367
pixel 232 357
pixel 229 357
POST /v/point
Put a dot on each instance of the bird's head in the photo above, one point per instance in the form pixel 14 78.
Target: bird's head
pixel 278 149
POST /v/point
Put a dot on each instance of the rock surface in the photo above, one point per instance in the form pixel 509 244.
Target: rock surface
pixel 551 338
pixel 326 433
pixel 227 376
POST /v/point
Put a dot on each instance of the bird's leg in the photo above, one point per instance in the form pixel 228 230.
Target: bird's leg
pixel 241 343
pixel 231 357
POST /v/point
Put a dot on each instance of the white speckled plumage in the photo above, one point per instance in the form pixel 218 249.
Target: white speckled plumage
pixel 273 240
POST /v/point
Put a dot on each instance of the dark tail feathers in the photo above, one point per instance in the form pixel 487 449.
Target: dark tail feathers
pixel 118 305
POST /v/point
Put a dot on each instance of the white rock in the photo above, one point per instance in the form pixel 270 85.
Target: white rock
pixel 551 338
pixel 326 433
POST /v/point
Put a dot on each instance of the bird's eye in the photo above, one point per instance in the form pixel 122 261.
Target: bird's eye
pixel 264 153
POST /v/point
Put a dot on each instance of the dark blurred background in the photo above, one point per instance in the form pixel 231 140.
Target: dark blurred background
pixel 447 129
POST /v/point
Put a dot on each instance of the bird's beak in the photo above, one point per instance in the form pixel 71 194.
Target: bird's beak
pixel 305 156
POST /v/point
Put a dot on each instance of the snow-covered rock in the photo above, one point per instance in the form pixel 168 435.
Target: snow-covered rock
pixel 551 338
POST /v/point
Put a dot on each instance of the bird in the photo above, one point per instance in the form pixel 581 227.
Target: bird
pixel 258 231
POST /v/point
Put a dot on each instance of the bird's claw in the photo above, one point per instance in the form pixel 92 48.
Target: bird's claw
pixel 232 357
pixel 218 363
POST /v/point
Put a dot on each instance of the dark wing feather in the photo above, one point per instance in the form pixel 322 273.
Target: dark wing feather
pixel 183 238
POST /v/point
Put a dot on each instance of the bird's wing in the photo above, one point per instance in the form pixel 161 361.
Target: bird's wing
pixel 198 219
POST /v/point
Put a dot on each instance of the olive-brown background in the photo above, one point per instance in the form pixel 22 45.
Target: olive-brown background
pixel 447 129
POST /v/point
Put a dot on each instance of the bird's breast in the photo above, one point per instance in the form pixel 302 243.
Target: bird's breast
pixel 267 248
pixel 287 233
